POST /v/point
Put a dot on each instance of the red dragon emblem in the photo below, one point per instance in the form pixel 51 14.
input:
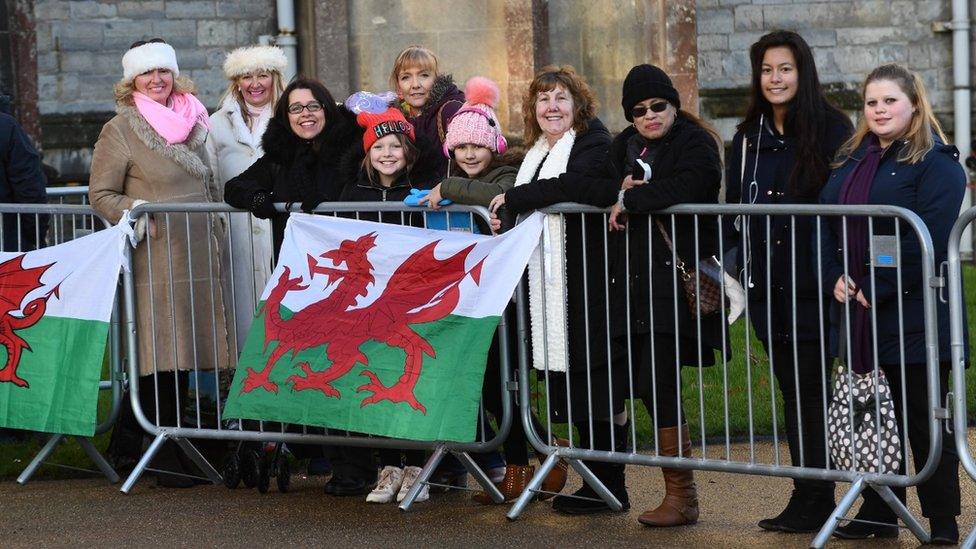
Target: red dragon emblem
pixel 422 289
pixel 15 283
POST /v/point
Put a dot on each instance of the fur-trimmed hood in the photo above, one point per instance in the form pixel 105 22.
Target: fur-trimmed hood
pixel 444 89
pixel 185 154
pixel 281 144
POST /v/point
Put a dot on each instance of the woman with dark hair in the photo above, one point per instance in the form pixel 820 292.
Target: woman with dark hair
pixel 897 156
pixel 780 155
pixel 303 144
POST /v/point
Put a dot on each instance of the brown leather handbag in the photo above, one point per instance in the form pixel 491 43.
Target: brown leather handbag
pixel 702 285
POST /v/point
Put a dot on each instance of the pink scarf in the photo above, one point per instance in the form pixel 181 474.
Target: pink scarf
pixel 173 123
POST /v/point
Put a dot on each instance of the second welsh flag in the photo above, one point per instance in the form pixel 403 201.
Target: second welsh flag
pixel 378 328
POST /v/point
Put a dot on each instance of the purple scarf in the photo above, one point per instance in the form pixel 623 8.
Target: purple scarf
pixel 855 190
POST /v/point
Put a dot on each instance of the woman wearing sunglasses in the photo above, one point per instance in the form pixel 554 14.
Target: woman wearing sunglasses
pixel 780 155
pixel 302 146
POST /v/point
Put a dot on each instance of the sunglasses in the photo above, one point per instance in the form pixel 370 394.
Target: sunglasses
pixel 144 42
pixel 297 108
pixel 641 110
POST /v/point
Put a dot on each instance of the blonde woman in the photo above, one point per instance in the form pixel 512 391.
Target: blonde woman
pixel 897 156
pixel 154 150
pixel 254 85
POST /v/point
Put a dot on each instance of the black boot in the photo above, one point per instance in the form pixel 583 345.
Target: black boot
pixel 610 474
pixel 172 473
pixel 888 527
pixel 944 530
pixel 806 512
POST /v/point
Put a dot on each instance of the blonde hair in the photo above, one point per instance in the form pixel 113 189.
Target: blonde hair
pixel 125 88
pixel 584 101
pixel 412 56
pixel 919 133
pixel 234 90
pixel 410 155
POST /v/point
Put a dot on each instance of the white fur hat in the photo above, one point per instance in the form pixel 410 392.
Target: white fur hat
pixel 149 56
pixel 254 58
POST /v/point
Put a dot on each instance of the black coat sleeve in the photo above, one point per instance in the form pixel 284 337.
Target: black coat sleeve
pixel 696 177
pixel 584 182
pixel 240 191
pixel 26 184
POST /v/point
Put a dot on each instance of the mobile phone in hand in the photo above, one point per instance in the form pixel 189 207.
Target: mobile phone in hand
pixel 642 171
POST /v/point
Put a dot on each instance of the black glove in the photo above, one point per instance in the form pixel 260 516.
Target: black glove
pixel 262 205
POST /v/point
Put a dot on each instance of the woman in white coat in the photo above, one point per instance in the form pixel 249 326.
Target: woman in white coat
pixel 255 84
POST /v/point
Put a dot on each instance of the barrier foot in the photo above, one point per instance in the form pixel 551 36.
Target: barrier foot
pixel 425 474
pixel 597 485
pixel 144 461
pixel 903 513
pixel 97 459
pixel 201 462
pixel 39 459
pixel 970 541
pixel 479 475
pixel 838 514
pixel 530 491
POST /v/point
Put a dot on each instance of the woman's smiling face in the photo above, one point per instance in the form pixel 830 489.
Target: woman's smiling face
pixel 554 112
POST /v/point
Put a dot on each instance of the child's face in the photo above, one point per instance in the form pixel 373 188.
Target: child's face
pixel 387 157
pixel 473 159
pixel 414 85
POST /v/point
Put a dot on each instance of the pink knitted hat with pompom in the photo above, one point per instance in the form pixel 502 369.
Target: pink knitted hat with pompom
pixel 475 122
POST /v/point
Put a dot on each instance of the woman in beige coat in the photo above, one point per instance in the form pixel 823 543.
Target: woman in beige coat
pixel 154 150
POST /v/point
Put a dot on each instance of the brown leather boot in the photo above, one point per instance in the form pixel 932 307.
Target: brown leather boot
pixel 555 481
pixel 680 505
pixel 517 477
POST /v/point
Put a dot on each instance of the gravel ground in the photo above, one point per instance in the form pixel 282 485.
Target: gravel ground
pixel 92 513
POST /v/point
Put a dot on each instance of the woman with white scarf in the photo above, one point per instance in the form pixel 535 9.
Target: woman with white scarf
pixel 567 278
pixel 255 84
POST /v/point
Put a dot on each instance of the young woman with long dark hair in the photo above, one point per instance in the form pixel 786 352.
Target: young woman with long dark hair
pixel 781 154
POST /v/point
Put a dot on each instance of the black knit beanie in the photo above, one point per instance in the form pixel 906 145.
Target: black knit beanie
pixel 644 82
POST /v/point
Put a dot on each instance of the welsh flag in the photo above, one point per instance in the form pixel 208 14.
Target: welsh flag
pixel 55 307
pixel 378 328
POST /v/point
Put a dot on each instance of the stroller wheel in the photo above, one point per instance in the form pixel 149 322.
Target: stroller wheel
pixel 264 473
pixel 284 474
pixel 249 468
pixel 232 471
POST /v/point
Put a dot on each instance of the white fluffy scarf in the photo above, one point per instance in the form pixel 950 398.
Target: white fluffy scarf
pixel 547 266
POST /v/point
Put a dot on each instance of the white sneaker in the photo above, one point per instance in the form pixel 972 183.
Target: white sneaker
pixel 387 486
pixel 410 475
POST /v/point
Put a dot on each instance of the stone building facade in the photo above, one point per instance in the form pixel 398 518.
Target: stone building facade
pixel 62 85
pixel 848 39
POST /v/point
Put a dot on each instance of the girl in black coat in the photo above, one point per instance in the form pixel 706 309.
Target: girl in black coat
pixel 780 155
pixel 303 145
pixel 898 156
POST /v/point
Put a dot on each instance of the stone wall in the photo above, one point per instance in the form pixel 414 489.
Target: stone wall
pixel 848 39
pixel 79 58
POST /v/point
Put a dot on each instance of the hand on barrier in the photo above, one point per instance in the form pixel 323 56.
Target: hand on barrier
pixel 262 205
pixel 494 221
pixel 422 197
pixel 618 218
pixel 431 198
pixel 844 288
pixel 140 225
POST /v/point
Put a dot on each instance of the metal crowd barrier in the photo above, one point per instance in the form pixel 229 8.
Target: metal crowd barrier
pixel 20 231
pixel 716 452
pixel 59 230
pixel 199 416
pixel 957 338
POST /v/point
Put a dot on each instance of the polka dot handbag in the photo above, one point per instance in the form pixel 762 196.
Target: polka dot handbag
pixel 862 430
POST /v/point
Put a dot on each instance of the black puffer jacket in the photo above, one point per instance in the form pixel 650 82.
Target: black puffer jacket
pixel 294 171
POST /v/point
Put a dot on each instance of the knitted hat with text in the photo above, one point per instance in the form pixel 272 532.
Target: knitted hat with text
pixel 378 125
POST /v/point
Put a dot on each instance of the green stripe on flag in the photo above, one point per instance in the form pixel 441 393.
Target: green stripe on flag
pixel 62 369
pixel 449 385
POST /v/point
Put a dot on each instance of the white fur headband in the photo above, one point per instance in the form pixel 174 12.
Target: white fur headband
pixel 255 58
pixel 153 55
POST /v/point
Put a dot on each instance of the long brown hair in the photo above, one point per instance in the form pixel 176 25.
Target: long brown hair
pixel 410 155
pixel 919 133
pixel 584 101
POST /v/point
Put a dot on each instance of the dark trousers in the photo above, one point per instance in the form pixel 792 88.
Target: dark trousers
pixel 657 376
pixel 810 392
pixel 515 445
pixel 939 495
pixel 402 458
pixel 351 461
